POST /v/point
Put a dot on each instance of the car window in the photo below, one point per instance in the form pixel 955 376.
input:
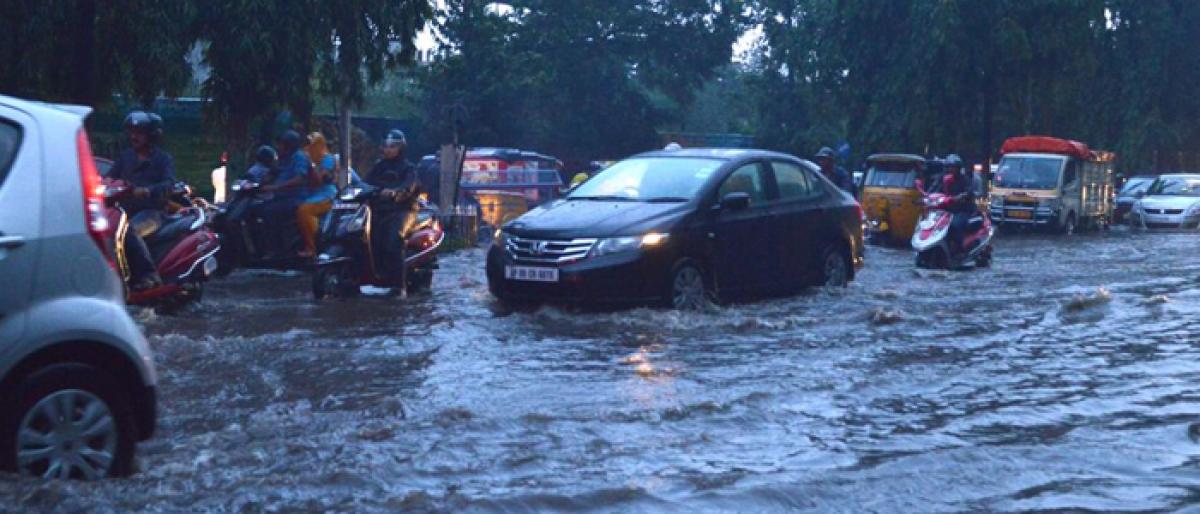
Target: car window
pixel 10 141
pixel 747 179
pixel 794 182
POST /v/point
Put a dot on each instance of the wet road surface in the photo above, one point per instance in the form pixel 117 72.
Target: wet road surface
pixel 1064 377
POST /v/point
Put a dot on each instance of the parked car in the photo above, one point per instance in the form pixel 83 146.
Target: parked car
pixel 77 382
pixel 1134 188
pixel 1171 201
pixel 682 227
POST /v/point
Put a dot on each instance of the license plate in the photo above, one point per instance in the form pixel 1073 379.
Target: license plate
pixel 531 274
pixel 1020 214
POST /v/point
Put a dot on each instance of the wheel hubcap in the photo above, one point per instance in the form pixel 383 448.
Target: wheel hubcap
pixel 69 434
pixel 835 270
pixel 689 289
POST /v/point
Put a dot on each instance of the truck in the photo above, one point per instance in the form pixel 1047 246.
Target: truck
pixel 1052 183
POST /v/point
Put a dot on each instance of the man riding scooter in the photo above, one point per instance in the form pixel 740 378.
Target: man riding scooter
pixel 151 173
pixel 958 183
pixel 396 207
pixel 288 185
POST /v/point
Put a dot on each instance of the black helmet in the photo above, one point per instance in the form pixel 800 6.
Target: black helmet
pixel 825 153
pixel 290 137
pixel 146 122
pixel 953 161
pixel 395 136
pixel 266 155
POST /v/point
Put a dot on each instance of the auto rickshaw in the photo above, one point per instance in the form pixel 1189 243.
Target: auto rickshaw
pixel 890 199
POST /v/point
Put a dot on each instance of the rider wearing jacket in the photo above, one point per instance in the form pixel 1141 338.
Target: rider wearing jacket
pixel 959 184
pixel 396 206
pixel 151 173
pixel 836 174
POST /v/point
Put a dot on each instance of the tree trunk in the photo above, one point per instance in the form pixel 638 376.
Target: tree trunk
pixel 345 142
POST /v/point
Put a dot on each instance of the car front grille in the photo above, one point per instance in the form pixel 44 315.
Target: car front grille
pixel 547 251
pixel 1164 211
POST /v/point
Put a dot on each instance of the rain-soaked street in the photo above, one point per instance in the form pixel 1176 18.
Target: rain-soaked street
pixel 1064 377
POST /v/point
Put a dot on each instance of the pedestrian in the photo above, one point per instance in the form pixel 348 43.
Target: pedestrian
pixel 826 160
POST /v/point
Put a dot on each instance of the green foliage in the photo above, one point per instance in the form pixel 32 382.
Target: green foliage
pixel 82 51
pixel 581 79
pixel 935 76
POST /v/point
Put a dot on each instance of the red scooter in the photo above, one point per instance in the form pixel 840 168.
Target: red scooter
pixel 931 239
pixel 184 249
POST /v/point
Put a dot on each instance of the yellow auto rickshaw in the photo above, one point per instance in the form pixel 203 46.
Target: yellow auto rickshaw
pixel 890 199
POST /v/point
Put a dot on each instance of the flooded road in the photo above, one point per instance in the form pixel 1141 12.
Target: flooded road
pixel 1063 378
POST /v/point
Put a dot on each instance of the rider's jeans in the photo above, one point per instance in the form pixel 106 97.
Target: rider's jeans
pixel 141 225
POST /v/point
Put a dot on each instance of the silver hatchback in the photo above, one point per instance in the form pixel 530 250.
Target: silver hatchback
pixel 77 382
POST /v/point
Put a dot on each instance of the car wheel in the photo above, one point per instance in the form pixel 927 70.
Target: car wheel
pixel 835 267
pixel 69 421
pixel 1068 227
pixel 688 288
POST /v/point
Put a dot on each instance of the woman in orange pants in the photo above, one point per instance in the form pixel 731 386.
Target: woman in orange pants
pixel 323 190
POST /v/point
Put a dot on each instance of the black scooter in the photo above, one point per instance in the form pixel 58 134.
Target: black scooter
pixel 250 241
pixel 347 258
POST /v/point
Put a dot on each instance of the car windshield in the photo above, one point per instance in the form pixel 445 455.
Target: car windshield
pixel 1028 172
pixel 649 179
pixel 1175 187
pixel 1135 186
pixel 891 174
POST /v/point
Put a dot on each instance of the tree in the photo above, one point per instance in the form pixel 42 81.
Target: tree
pixel 82 51
pixel 584 79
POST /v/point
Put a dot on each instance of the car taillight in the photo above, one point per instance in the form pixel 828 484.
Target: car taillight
pixel 93 197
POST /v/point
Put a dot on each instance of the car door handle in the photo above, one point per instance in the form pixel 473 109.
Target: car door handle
pixel 11 241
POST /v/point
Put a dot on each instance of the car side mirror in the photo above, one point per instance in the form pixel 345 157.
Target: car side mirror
pixel 1140 194
pixel 735 202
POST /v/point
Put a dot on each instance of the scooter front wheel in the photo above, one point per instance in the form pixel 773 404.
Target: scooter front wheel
pixel 337 280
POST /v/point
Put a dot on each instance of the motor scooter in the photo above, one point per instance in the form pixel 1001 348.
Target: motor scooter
pixel 251 242
pixel 347 258
pixel 931 238
pixel 183 249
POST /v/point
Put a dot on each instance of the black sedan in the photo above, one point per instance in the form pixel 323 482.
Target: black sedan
pixel 682 227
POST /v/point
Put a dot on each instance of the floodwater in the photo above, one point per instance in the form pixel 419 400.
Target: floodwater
pixel 1065 377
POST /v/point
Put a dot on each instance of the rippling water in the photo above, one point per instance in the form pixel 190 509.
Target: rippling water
pixel 1063 378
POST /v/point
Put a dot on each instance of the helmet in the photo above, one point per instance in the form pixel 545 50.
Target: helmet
pixel 395 137
pixel 673 146
pixel 266 155
pixel 290 137
pixel 825 153
pixel 953 161
pixel 146 122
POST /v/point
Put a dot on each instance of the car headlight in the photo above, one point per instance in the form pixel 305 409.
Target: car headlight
pixel 613 245
pixel 1194 209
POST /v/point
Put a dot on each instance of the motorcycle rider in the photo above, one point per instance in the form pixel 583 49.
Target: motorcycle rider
pixel 151 173
pixel 396 206
pixel 836 174
pixel 265 160
pixel 288 184
pixel 321 192
pixel 959 184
